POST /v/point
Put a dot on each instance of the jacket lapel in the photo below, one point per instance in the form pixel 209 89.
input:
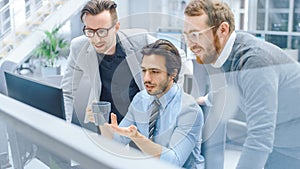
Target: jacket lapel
pixel 93 73
pixel 132 59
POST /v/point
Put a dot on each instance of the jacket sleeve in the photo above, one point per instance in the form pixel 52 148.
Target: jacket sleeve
pixel 70 81
pixel 260 104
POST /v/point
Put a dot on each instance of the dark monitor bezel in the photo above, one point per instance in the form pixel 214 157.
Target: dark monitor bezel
pixel 36 94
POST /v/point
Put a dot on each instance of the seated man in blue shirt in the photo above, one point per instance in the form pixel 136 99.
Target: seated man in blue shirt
pixel 174 135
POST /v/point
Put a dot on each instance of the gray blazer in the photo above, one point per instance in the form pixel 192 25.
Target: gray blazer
pixel 82 61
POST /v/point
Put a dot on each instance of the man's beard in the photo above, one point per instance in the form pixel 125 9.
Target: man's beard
pixel 198 59
pixel 161 89
pixel 217 49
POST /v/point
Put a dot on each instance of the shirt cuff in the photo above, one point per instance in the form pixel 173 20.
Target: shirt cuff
pixel 206 100
pixel 252 159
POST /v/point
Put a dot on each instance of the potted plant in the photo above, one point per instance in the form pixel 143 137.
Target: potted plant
pixel 49 51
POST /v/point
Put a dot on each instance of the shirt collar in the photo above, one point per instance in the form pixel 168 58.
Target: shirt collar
pixel 225 52
pixel 167 97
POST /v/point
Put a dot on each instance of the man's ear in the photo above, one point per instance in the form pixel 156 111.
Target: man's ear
pixel 117 26
pixel 174 74
pixel 223 30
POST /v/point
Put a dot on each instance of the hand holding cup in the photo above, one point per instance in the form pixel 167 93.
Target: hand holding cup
pixel 101 112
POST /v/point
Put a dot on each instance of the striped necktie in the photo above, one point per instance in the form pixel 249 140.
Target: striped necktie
pixel 153 117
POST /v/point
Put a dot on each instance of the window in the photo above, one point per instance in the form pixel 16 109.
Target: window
pixel 277 21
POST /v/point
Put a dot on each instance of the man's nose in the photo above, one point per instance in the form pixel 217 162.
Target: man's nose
pixel 147 76
pixel 190 43
pixel 96 38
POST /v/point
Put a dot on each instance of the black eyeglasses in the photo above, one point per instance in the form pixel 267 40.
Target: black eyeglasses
pixel 101 32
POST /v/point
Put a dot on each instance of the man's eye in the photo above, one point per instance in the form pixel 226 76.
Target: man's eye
pixel 89 31
pixel 194 35
pixel 101 32
pixel 155 71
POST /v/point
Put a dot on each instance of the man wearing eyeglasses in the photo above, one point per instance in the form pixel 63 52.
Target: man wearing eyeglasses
pixel 107 56
pixel 259 83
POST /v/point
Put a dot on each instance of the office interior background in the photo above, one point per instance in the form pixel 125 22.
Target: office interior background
pixel 22 23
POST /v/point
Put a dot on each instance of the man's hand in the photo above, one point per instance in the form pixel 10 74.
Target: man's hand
pixel 130 131
pixel 201 101
pixel 89 115
pixel 145 144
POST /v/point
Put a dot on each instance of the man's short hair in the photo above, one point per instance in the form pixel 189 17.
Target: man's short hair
pixel 216 11
pixel 95 7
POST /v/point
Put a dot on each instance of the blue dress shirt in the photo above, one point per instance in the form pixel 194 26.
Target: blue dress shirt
pixel 178 127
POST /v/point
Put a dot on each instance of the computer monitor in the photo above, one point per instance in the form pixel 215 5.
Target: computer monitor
pixel 36 94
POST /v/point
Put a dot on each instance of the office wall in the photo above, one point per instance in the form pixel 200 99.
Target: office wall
pixel 151 15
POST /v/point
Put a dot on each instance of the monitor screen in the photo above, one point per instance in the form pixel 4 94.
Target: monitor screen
pixel 36 94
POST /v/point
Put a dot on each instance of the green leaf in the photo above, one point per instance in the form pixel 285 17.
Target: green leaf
pixel 50 47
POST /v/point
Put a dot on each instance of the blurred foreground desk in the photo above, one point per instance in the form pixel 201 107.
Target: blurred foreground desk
pixel 68 140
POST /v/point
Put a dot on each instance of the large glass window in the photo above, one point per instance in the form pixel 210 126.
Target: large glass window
pixel 242 4
pixel 279 40
pixel 261 4
pixel 296 20
pixel 278 22
pixel 242 16
pixel 279 3
pixel 296 26
pixel 4 18
pixel 260 21
pixel 260 24
pixel 296 42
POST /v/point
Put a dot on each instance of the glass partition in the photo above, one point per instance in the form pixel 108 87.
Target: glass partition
pixel 39 140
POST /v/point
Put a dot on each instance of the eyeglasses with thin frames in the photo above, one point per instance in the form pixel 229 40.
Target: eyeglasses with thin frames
pixel 195 36
pixel 101 32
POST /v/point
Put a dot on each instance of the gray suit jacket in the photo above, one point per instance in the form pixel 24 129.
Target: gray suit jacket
pixel 82 61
